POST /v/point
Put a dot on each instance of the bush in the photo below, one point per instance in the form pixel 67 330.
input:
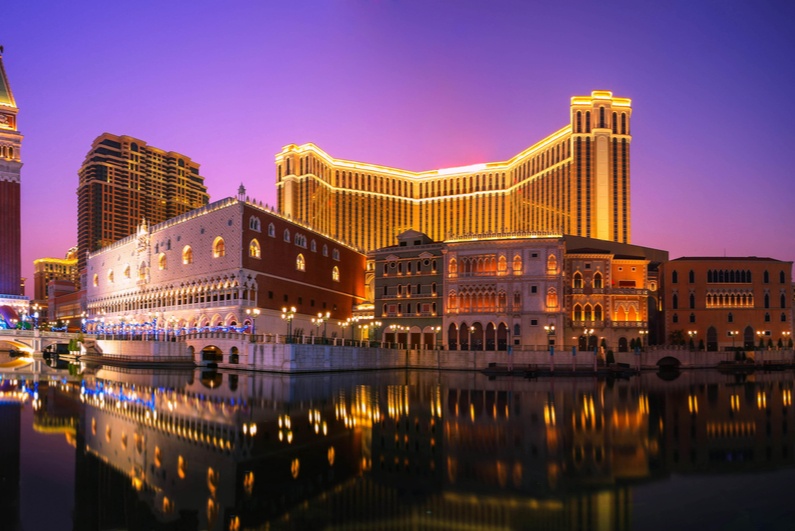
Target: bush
pixel 610 358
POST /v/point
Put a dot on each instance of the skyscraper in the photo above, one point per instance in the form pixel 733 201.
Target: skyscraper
pixel 10 166
pixel 47 269
pixel 122 181
pixel 574 181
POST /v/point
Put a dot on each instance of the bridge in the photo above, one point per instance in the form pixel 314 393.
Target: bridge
pixel 34 342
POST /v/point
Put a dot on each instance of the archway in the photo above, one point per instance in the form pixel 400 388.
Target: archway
pixel 490 337
pixel 463 336
pixel 212 354
pixel 212 379
pixel 502 337
pixel 477 337
pixel 452 337
pixel 748 338
pixel 712 339
pixel 622 344
pixel 583 343
pixel 668 362
pixel 593 341
pixel 415 337
pixel 234 356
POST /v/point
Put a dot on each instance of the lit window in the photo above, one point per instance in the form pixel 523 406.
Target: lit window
pixel 219 248
pixel 254 250
pixel 96 280
pixel 110 276
pixel 161 262
pixel 187 255
pixel 335 274
pixel 142 271
pixel 127 271
pixel 300 265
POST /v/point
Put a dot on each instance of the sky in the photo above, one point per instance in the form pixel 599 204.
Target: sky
pixel 418 85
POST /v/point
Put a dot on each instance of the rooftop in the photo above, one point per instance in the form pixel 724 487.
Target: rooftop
pixel 724 259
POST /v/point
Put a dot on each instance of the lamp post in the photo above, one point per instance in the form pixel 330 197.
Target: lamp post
pixel 692 334
pixel 36 308
pixel 375 325
pixel 471 331
pixel 321 318
pixel 395 328
pixel 436 331
pixel 550 332
pixel 588 332
pixel 643 335
pixel 344 325
pixel 362 330
pixel 254 313
pixel 786 339
pixel 289 315
pixel 733 334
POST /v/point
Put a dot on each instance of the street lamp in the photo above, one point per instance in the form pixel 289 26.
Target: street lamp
pixel 321 319
pixel 36 308
pixel 471 331
pixel 733 334
pixel 362 330
pixel 692 334
pixel 344 325
pixel 254 313
pixel 787 335
pixel 588 333
pixel 643 335
pixel 436 331
pixel 289 316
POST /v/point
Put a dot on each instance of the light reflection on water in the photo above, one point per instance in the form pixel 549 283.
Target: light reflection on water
pixel 397 449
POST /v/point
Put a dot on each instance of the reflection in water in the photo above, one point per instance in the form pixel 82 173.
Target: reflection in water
pixel 398 449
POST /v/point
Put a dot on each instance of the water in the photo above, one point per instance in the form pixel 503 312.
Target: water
pixel 127 449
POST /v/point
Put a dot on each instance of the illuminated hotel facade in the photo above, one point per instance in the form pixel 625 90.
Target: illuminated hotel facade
pixel 575 181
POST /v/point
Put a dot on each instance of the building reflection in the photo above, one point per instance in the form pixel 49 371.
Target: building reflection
pixel 408 449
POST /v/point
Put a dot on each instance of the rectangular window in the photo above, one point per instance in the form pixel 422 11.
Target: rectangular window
pixel 533 322
pixel 270 294
pixel 533 289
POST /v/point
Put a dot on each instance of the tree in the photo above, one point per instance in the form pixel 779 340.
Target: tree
pixel 780 344
pixel 692 344
pixel 789 344
pixel 770 343
pixel 676 337
pixel 701 344
pixel 761 342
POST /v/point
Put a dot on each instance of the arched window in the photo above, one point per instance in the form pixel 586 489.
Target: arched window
pixel 335 254
pixel 597 312
pixel 452 300
pixel 692 317
pixel 433 289
pixel 748 277
pixel 161 262
pixel 325 250
pixel 782 278
pixel 286 235
pixel 386 269
pixel 96 280
pixel 675 301
pixel 783 317
pixel 577 312
pixel 577 280
pixel 552 265
pixel 219 248
pixel 300 265
pixel 517 265
pixel 271 230
pixel 587 121
pixel 579 122
pixel 453 266
pixel 142 271
pixel 127 271
pixel 615 123
pixel 692 301
pixel 691 277
pixel 675 318
pixel 783 301
pixel 730 317
pixel 503 265
pixel 335 274
pixel 767 300
pixel 517 298
pixel 552 298
pixel 587 316
pixel 767 317
pixel 517 330
pixel 709 276
pixel 674 277
pixel 313 246
pixel 254 249
pixel 623 123
pixel 601 117
pixel 254 224
pixel 766 277
pixel 597 280
pixel 187 255
pixel 110 276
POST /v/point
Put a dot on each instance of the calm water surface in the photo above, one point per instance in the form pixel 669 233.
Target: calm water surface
pixel 107 449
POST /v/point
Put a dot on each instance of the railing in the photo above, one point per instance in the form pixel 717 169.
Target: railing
pixel 630 291
pixel 629 324
pixel 143 359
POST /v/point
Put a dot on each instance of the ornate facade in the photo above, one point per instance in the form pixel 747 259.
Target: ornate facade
pixel 205 268
pixel 728 301
pixel 575 181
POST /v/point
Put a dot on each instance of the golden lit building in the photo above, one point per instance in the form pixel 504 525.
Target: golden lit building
pixel 47 269
pixel 574 181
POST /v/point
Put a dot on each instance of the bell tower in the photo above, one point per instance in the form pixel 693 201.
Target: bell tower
pixel 10 169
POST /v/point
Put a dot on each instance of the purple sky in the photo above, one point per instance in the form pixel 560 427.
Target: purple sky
pixel 418 85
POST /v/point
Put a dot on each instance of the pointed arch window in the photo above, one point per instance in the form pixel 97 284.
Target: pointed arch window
pixel 110 276
pixel 675 318
pixel 691 277
pixel 730 318
pixel 142 271
pixel 767 317
pixel 552 298
pixel 453 266
pixel 577 316
pixel 587 315
pixel 96 280
pixel 767 300
pixel 692 317
pixel 782 278
pixel 503 265
pixel 219 248
pixel 783 317
pixel 692 301
pixel 313 246
pixel 325 250
pixel 300 264
pixel 254 250
pixel 335 274
pixel 286 236
pixel 161 262
pixel 271 230
pixel 597 280
pixel 766 277
pixel 552 265
pixel 675 301
pixel 187 255
pixel 577 280
pixel 597 312
pixel 783 301
pixel 127 271
pixel 674 277
pixel 517 265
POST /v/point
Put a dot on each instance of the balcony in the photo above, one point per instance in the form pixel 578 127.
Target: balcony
pixel 629 324
pixel 630 291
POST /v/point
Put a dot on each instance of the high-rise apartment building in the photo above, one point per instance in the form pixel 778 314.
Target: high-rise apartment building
pixel 10 170
pixel 122 181
pixel 47 269
pixel 574 181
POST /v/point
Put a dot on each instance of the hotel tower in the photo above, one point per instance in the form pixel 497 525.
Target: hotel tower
pixel 574 181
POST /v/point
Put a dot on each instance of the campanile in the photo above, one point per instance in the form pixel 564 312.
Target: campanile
pixel 10 166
